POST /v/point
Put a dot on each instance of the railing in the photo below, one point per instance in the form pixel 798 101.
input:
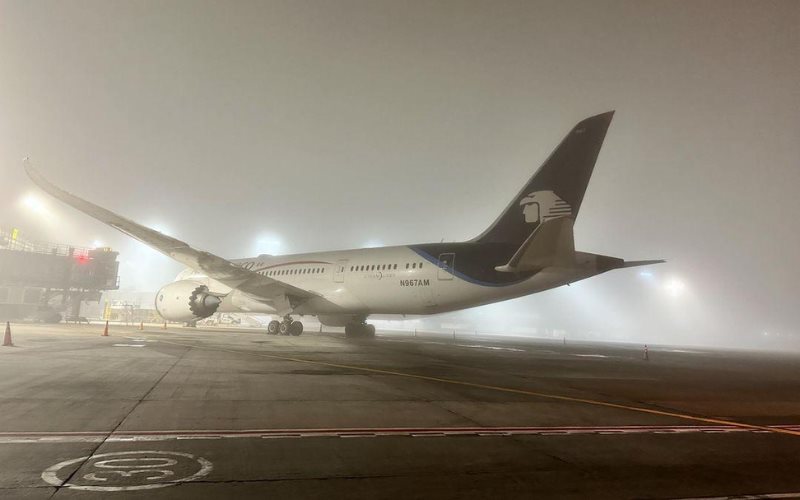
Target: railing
pixel 12 240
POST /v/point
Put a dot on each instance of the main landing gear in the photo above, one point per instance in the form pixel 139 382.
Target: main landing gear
pixel 285 327
pixel 359 330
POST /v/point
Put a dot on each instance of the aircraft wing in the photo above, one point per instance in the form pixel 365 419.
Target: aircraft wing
pixel 260 287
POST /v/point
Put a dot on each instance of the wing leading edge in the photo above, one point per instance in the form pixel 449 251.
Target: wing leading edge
pixel 226 272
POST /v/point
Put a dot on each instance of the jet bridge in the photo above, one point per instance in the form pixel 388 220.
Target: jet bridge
pixel 44 281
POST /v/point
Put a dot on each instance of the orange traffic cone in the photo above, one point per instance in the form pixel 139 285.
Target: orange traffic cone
pixel 105 330
pixel 7 337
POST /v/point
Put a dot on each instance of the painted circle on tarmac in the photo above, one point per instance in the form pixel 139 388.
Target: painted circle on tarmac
pixel 128 470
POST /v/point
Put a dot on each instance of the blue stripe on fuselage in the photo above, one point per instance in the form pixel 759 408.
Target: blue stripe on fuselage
pixel 436 262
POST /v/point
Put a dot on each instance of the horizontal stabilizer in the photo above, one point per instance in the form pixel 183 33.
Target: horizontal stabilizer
pixel 637 263
pixel 551 244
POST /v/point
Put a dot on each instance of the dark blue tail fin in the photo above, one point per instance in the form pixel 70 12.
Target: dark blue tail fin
pixel 557 188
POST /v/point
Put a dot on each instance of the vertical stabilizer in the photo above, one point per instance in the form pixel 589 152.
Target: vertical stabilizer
pixel 557 188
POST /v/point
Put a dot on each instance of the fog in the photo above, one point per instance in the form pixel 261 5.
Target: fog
pixel 284 127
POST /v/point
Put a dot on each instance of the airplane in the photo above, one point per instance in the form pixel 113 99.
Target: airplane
pixel 529 248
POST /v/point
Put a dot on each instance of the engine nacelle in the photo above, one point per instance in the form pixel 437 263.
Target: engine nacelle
pixel 186 300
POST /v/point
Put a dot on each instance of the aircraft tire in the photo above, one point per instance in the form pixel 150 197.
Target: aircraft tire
pixel 284 327
pixel 353 331
pixel 296 328
pixel 274 327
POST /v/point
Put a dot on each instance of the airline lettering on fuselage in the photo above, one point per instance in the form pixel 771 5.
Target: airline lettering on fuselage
pixel 415 282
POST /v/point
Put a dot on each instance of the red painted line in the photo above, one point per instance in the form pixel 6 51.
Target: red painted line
pixel 161 435
pixel 357 430
pixel 384 431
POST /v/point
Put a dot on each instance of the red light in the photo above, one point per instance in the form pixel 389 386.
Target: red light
pixel 82 258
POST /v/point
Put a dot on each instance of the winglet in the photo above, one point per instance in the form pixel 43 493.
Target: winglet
pixel 35 176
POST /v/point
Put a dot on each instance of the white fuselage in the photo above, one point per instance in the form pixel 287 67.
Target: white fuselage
pixel 389 280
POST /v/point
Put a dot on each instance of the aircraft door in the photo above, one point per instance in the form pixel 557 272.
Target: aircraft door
pixel 338 271
pixel 446 265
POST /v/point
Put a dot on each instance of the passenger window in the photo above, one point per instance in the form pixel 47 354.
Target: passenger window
pixel 406 265
pixel 414 265
pixel 420 265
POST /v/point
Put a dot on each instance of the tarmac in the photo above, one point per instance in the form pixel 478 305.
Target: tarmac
pixel 194 413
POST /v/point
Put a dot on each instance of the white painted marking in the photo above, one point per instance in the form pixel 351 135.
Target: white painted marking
pixel 128 345
pixel 122 467
pixel 762 496
pixel 493 348
pixel 590 355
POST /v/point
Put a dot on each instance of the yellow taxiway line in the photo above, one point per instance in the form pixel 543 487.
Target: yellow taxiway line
pixel 557 397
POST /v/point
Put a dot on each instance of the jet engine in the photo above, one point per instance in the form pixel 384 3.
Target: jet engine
pixel 186 301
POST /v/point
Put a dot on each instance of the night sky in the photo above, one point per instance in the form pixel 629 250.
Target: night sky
pixel 285 127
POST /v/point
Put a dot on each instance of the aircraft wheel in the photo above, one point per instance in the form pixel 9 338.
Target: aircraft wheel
pixel 359 330
pixel 284 327
pixel 296 328
pixel 274 327
pixel 352 330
